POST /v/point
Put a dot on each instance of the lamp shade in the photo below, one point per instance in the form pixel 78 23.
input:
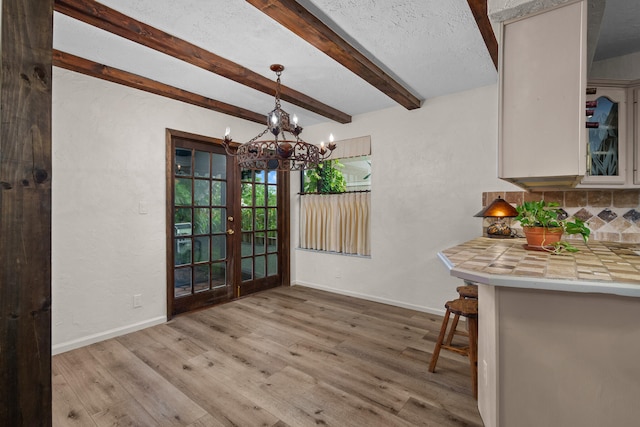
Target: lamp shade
pixel 499 208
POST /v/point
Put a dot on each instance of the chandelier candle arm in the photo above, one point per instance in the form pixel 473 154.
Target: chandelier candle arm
pixel 279 153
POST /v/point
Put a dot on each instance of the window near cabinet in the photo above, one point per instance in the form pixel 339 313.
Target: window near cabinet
pixel 335 201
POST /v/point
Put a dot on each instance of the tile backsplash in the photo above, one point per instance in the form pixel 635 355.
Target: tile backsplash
pixel 612 215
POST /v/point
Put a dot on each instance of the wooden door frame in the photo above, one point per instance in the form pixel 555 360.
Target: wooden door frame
pixel 284 216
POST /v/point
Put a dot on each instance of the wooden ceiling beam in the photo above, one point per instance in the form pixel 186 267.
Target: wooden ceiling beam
pixel 100 71
pixel 300 21
pixel 105 18
pixel 479 10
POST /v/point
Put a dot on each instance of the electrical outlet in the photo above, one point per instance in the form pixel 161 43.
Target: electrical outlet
pixel 137 301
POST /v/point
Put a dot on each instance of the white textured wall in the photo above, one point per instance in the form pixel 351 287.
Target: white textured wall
pixel 108 158
pixel 429 169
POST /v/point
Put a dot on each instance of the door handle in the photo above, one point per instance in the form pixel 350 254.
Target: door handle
pixel 230 218
pixel 230 231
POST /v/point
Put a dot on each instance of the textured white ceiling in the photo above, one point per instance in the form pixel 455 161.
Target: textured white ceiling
pixel 620 30
pixel 432 46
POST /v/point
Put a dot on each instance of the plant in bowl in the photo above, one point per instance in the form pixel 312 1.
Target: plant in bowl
pixel 543 227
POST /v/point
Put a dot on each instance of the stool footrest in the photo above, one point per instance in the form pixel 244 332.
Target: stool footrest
pixel 460 350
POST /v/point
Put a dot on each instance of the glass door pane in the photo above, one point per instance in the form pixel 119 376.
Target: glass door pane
pixel 606 133
pixel 603 138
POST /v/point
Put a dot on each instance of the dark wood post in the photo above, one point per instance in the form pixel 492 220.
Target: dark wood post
pixel 25 213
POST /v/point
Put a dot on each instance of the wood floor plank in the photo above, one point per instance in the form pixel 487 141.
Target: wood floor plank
pixel 167 404
pixel 385 356
pixel 215 394
pixel 289 356
pixel 250 384
pixel 275 327
pixel 391 334
pixel 332 300
pixel 67 408
pixel 206 421
pixel 144 338
pixel 218 321
pixel 176 340
pixel 324 364
pixel 95 386
pixel 229 347
pixel 305 321
pixel 330 405
pixel 376 383
pixel 450 397
pixel 422 414
pixel 291 383
pixel 126 413
pixel 410 318
pixel 201 332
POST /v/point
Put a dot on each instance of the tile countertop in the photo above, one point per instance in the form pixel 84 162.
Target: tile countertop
pixel 601 267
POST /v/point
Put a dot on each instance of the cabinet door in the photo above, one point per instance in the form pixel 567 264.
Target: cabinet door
pixel 542 95
pixel 606 143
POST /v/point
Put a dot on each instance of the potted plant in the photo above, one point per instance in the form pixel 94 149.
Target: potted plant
pixel 543 227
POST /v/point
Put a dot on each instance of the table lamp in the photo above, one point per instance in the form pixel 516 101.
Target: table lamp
pixel 500 213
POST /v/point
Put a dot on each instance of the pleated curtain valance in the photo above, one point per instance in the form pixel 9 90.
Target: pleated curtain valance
pixel 336 222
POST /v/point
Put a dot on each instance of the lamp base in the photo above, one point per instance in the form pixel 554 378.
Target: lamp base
pixel 499 230
pixel 499 236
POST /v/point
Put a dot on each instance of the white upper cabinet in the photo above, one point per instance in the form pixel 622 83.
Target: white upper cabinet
pixel 542 83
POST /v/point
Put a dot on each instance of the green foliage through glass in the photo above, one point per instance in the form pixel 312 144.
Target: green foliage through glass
pixel 325 178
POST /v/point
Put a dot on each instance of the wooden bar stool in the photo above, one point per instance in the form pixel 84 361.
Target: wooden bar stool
pixel 467 291
pixel 466 308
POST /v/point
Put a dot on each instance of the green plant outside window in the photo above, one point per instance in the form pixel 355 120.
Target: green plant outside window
pixel 325 178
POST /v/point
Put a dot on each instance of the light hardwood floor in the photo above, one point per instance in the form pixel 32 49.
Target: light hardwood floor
pixel 290 356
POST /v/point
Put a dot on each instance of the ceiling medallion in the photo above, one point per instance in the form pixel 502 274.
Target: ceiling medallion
pixel 279 153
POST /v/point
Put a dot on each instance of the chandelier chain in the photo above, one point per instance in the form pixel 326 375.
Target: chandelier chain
pixel 278 89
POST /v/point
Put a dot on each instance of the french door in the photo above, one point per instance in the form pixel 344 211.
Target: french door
pixel 227 226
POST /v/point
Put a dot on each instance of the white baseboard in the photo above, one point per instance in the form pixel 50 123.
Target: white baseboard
pixel 430 310
pixel 90 339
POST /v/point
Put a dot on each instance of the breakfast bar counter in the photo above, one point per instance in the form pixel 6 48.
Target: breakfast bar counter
pixel 606 267
pixel 559 335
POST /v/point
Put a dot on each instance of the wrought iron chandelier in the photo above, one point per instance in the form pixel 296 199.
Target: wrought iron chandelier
pixel 279 153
